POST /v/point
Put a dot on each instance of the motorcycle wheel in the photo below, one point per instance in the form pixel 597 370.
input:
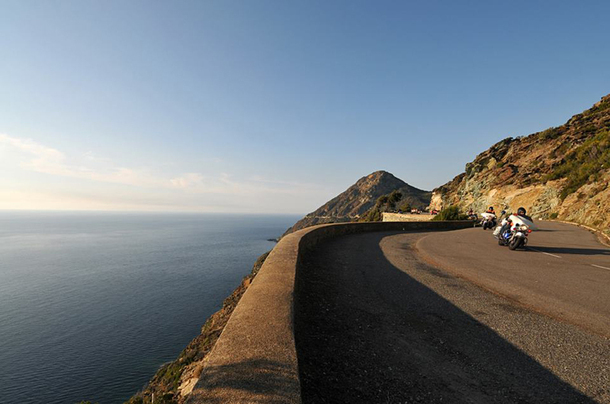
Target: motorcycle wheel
pixel 500 242
pixel 515 243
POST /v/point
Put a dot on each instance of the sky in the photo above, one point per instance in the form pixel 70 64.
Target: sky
pixel 275 106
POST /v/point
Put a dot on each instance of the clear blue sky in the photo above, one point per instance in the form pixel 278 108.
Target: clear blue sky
pixel 275 106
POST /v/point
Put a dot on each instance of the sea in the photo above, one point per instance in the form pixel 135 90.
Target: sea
pixel 92 304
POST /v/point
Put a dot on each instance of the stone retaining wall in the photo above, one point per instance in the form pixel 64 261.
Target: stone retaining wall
pixel 255 360
pixel 405 217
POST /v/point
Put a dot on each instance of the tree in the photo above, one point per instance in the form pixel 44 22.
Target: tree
pixel 450 213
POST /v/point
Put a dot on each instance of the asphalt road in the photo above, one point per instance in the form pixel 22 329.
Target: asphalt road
pixel 377 323
pixel 564 271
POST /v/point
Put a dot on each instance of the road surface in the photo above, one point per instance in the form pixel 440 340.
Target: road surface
pixel 564 271
pixel 376 322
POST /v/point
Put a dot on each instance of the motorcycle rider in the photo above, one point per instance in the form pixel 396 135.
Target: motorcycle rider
pixel 488 220
pixel 472 215
pixel 520 212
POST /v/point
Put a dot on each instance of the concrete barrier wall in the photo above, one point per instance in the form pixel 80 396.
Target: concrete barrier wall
pixel 255 360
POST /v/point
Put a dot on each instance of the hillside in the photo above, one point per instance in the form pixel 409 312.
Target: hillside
pixel 360 197
pixel 562 173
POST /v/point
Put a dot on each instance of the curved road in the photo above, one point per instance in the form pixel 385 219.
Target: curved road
pixel 378 321
pixel 563 272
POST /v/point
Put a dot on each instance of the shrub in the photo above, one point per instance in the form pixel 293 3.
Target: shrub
pixel 583 165
pixel 553 215
pixel 374 215
pixel 395 196
pixel 450 213
pixel 388 202
pixel 405 207
pixel 550 133
pixel 385 203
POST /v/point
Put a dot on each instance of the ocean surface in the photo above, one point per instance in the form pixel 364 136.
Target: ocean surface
pixel 91 304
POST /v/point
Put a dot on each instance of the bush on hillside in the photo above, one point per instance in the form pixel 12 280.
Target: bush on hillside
pixel 584 165
pixel 405 207
pixel 388 202
pixel 450 213
pixel 385 203
pixel 551 133
pixel 374 215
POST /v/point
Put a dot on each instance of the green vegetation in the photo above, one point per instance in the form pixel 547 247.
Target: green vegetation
pixel 384 203
pixel 405 207
pixel 373 215
pixel 583 165
pixel 450 213
pixel 551 133
pixel 561 150
pixel 603 105
pixel 553 215
pixel 389 201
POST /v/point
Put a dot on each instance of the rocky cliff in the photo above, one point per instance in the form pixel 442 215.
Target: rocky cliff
pixel 360 198
pixel 562 173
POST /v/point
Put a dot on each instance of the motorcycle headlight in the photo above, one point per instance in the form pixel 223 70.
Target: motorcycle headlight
pixel 523 228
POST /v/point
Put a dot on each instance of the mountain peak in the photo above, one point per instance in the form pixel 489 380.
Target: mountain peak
pixel 381 174
pixel 360 197
pixel 379 177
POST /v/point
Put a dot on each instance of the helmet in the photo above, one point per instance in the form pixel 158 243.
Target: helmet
pixel 491 208
pixel 521 211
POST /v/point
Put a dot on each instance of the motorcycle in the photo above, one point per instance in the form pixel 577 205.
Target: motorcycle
pixel 516 235
pixel 488 221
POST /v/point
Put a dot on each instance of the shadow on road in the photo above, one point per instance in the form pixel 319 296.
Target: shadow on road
pixel 569 250
pixel 367 332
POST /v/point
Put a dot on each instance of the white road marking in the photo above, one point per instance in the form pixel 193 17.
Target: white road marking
pixel 552 255
pixel 599 266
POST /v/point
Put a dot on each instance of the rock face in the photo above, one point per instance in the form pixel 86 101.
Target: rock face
pixel 360 197
pixel 562 173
